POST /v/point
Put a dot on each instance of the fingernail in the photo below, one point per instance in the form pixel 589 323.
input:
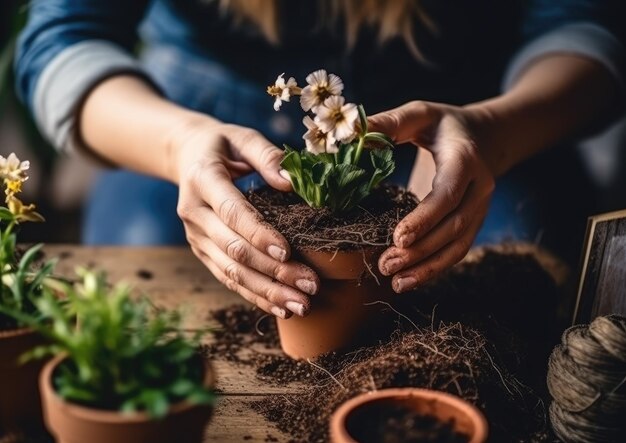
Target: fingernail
pixel 306 286
pixel 295 307
pixel 405 283
pixel 406 240
pixel 284 174
pixel 277 252
pixel 392 266
pixel 278 312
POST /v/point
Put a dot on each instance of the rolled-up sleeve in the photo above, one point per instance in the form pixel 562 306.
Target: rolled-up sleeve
pixel 588 28
pixel 66 48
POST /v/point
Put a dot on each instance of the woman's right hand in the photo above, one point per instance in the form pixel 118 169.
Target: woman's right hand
pixel 224 230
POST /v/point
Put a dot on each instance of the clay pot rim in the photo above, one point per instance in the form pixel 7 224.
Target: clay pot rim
pixel 104 415
pixel 338 418
pixel 17 332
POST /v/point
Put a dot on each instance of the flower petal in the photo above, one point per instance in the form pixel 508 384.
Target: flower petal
pixel 335 84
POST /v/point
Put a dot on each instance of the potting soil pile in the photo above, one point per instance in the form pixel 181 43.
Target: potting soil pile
pixel 369 224
pixel 469 348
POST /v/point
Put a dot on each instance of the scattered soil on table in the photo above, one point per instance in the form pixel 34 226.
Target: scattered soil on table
pixel 469 333
pixel 391 423
pixel 144 274
pixel 370 224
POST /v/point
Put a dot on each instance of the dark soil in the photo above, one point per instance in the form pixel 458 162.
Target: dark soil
pixel 478 332
pixel 390 423
pixel 370 224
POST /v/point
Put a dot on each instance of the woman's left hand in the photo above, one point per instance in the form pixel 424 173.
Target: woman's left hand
pixel 441 230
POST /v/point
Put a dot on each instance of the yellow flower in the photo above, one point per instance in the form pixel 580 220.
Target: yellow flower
pixel 12 169
pixel 12 187
pixel 23 212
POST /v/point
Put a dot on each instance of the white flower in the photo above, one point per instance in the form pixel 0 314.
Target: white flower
pixel 12 169
pixel 318 141
pixel 321 86
pixel 282 90
pixel 337 118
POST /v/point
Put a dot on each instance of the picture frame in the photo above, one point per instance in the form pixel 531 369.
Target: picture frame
pixel 602 284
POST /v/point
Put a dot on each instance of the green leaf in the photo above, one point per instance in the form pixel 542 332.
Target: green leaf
pixel 362 119
pixel 379 138
pixel 382 160
pixel 5 214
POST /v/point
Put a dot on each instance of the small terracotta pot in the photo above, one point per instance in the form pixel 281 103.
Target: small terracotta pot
pixel 20 406
pixel 467 419
pixel 72 423
pixel 340 317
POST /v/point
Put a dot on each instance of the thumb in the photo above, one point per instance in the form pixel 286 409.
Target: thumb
pixel 263 156
pixel 403 123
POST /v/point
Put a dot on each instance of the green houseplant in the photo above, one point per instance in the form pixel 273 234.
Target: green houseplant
pixel 347 218
pixel 21 281
pixel 123 370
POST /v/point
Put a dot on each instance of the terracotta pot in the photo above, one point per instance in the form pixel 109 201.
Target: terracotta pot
pixel 467 419
pixel 72 423
pixel 340 317
pixel 20 406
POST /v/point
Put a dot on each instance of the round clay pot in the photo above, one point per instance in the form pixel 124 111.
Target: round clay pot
pixel 467 419
pixel 340 317
pixel 20 406
pixel 72 423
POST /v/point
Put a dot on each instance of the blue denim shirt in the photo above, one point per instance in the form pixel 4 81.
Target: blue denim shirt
pixel 202 60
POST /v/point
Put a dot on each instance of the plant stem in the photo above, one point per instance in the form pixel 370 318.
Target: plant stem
pixel 359 148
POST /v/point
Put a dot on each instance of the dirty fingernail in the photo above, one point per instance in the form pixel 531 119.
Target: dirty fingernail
pixel 406 240
pixel 306 286
pixel 277 252
pixel 284 174
pixel 296 307
pixel 278 312
pixel 405 283
pixel 392 266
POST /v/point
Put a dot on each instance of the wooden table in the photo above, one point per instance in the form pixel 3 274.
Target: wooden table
pixel 174 278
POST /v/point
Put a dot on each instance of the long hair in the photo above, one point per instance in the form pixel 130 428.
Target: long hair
pixel 392 18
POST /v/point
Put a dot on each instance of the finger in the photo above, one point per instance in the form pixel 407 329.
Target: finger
pixel 453 226
pixel 259 152
pixel 405 122
pixel 237 248
pixel 213 185
pixel 449 186
pixel 437 263
pixel 274 292
pixel 255 299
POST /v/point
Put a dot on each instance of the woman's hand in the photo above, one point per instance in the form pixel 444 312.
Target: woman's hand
pixel 440 231
pixel 224 230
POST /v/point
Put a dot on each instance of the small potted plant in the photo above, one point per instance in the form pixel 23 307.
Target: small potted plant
pixel 20 283
pixel 123 370
pixel 347 219
pixel 407 415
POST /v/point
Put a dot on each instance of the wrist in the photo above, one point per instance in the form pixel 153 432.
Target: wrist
pixel 184 134
pixel 486 124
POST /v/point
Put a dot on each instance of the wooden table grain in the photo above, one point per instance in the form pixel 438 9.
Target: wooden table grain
pixel 174 278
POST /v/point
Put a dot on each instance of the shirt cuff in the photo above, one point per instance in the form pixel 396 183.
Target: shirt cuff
pixel 581 38
pixel 65 82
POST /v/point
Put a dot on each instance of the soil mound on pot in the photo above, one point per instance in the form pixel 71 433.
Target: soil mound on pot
pixel 475 332
pixel 370 224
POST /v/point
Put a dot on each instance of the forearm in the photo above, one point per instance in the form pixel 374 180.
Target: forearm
pixel 124 121
pixel 555 98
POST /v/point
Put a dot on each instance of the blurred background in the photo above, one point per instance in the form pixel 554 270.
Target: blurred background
pixel 57 184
